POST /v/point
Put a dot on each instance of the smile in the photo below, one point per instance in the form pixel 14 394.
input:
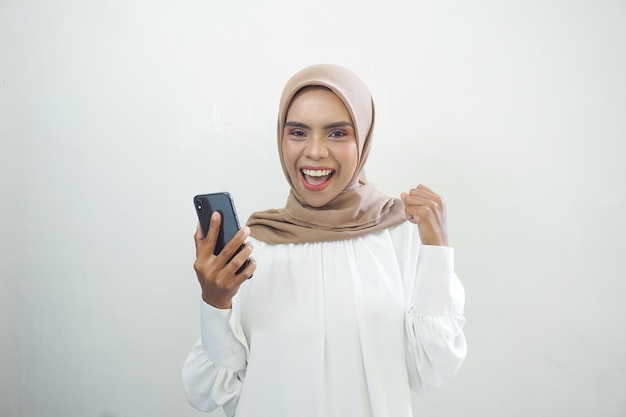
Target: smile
pixel 316 179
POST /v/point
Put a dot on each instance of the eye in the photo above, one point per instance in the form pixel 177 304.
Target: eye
pixel 337 134
pixel 296 133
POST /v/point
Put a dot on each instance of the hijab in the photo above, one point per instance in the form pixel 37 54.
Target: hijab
pixel 360 208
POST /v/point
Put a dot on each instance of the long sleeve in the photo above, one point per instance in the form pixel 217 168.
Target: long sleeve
pixel 215 368
pixel 435 343
pixel 349 327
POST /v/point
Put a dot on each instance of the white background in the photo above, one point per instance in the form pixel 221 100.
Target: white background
pixel 114 114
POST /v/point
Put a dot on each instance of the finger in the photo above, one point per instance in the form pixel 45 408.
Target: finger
pixel 420 209
pixel 421 192
pixel 242 254
pixel 247 272
pixel 239 260
pixel 234 244
pixel 417 201
pixel 197 236
pixel 425 188
pixel 249 269
pixel 428 195
pixel 421 213
pixel 417 192
pixel 214 231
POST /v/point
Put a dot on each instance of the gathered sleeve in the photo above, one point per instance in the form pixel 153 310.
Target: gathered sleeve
pixel 435 301
pixel 215 368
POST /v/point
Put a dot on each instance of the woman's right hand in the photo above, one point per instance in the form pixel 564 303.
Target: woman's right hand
pixel 217 273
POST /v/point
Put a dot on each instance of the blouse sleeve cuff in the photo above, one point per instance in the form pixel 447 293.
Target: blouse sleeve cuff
pixel 438 291
pixel 218 338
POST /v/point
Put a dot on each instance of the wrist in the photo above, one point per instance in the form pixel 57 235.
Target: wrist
pixel 219 304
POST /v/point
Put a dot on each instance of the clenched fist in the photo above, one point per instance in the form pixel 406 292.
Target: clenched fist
pixel 427 210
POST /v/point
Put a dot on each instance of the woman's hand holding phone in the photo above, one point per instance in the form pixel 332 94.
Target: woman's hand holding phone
pixel 217 274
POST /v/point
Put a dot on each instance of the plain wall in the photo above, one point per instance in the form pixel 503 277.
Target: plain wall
pixel 114 114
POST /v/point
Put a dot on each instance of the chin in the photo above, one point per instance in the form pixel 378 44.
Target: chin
pixel 314 202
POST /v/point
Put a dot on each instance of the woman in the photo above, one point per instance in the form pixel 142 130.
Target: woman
pixel 352 308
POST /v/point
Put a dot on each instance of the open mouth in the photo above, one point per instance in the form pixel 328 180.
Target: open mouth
pixel 316 178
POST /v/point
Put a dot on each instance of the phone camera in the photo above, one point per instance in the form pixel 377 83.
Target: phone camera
pixel 199 205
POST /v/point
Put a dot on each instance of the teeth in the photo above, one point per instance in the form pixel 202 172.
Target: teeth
pixel 317 172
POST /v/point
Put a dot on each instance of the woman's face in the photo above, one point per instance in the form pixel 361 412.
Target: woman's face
pixel 319 146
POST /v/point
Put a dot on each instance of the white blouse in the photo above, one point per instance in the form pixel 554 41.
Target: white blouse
pixel 345 328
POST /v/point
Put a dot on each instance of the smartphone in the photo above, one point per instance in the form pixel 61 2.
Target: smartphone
pixel 223 203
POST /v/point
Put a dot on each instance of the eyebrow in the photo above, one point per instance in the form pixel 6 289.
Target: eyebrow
pixel 328 126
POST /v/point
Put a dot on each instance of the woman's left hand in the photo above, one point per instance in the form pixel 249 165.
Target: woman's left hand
pixel 427 210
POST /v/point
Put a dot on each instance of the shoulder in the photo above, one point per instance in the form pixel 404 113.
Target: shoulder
pixel 401 235
pixel 403 231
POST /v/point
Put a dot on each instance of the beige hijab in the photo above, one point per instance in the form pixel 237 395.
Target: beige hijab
pixel 360 208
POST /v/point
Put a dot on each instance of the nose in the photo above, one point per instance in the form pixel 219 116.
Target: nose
pixel 317 147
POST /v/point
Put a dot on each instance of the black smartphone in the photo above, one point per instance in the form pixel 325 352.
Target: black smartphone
pixel 223 203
